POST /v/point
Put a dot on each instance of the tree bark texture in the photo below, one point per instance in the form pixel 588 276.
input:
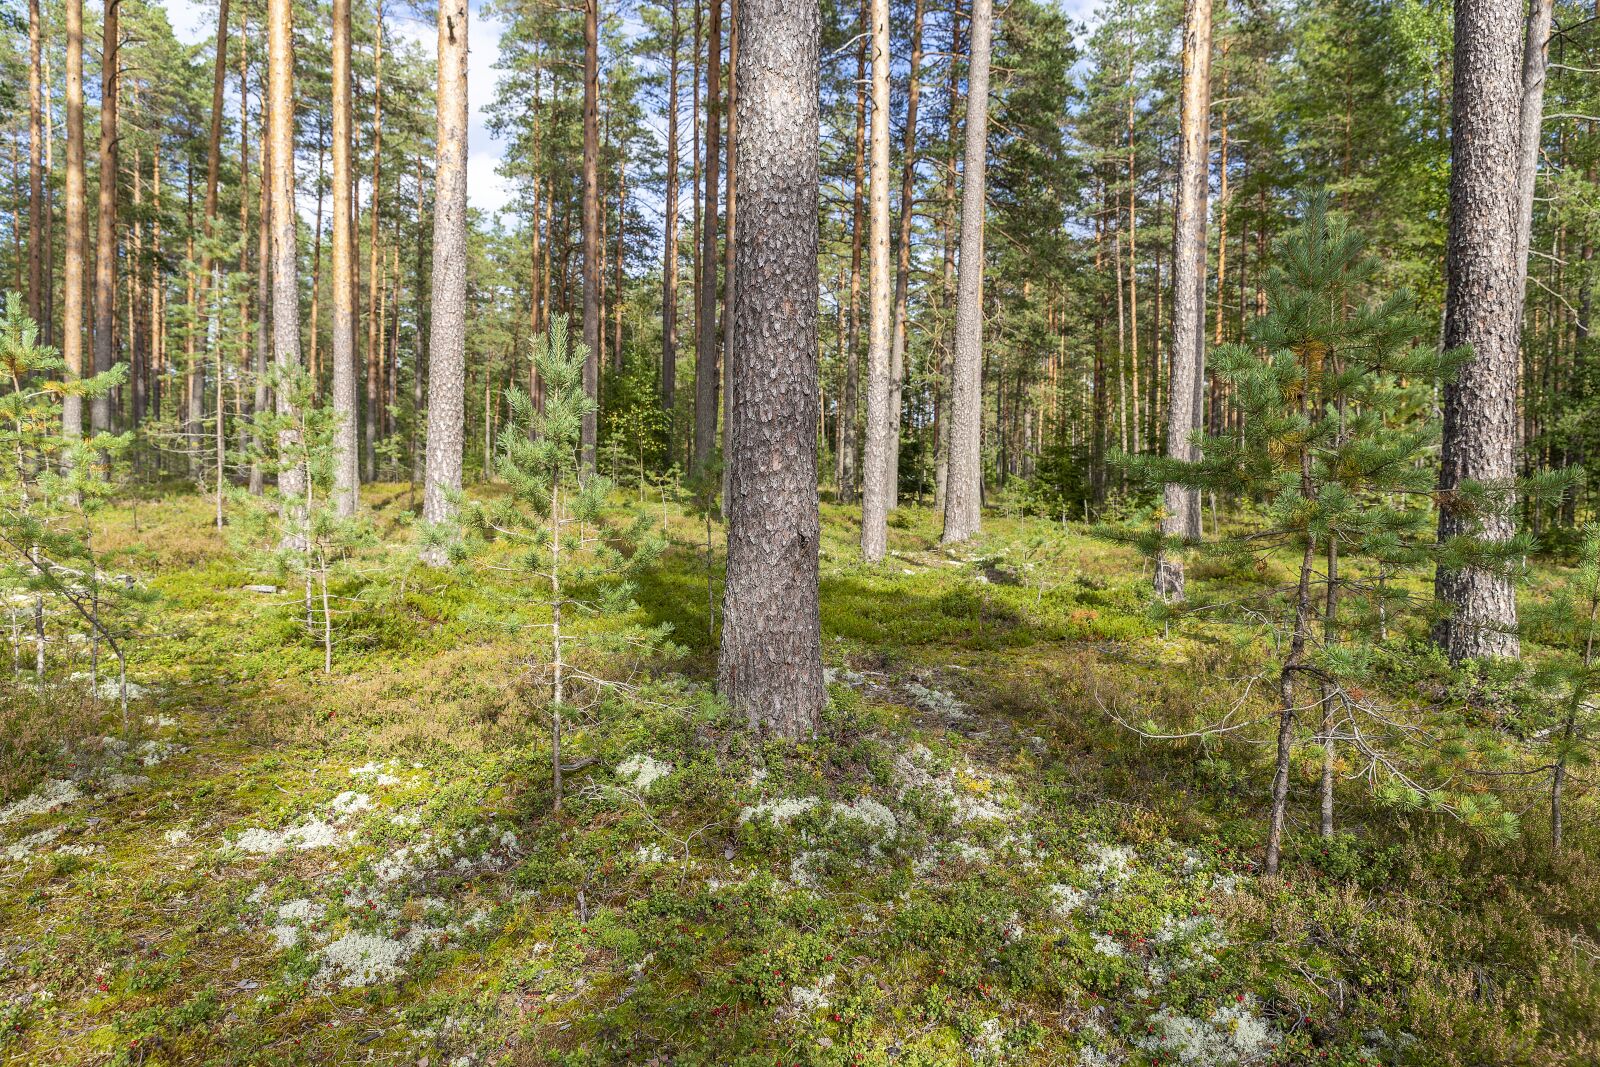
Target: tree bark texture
pixel 105 258
pixel 346 463
pixel 770 666
pixel 705 367
pixel 72 301
pixel 875 465
pixel 447 340
pixel 1483 308
pixel 591 224
pixel 964 489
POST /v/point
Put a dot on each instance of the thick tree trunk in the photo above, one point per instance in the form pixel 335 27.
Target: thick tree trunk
pixel 263 348
pixel 705 369
pixel 770 665
pixel 964 492
pixel 1483 308
pixel 1180 505
pixel 72 304
pixel 105 246
pixel 285 260
pixel 902 279
pixel 875 465
pixel 346 464
pixel 447 355
pixel 591 225
pixel 36 220
pixel 669 253
pixel 947 288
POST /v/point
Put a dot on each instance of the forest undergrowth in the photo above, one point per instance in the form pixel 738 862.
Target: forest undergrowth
pixel 976 863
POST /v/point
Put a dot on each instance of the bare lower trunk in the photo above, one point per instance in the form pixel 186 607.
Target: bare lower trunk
pixel 346 465
pixel 285 265
pixel 37 265
pixel 447 337
pixel 875 464
pixel 770 664
pixel 1181 505
pixel 375 265
pixel 1483 308
pixel 964 488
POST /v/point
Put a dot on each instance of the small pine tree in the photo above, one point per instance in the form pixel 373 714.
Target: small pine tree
pixel 302 536
pixel 552 529
pixel 1335 444
pixel 1561 714
pixel 49 487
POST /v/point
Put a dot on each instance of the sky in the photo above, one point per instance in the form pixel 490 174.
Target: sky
pixel 194 22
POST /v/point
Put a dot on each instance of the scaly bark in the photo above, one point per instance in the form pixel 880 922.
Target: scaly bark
pixel 770 664
pixel 346 463
pixel 902 279
pixel 1181 505
pixel 1483 308
pixel 705 368
pixel 374 267
pixel 447 343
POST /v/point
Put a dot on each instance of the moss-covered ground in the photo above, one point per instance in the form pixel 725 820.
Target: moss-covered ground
pixel 973 862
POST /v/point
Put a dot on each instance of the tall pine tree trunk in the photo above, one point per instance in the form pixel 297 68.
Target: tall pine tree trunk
pixel 374 263
pixel 669 253
pixel 346 464
pixel 770 664
pixel 447 354
pixel 591 224
pixel 1483 308
pixel 902 280
pixel 875 465
pixel 964 493
pixel 705 368
pixel 105 249
pixel 1181 506
pixel 850 483
pixel 285 265
pixel 36 220
pixel 72 303
pixel 730 221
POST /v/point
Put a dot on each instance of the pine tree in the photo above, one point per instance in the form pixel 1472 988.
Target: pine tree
pixel 553 530
pixel 1334 442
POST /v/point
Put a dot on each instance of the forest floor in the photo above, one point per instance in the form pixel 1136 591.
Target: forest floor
pixel 974 862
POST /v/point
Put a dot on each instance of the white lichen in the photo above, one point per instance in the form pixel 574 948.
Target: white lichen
pixel 1232 1035
pixel 814 997
pixel 779 811
pixel 314 833
pixel 643 771
pixel 51 796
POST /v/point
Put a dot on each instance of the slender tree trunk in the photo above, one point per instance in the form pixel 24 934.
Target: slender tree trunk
pixel 591 225
pixel 346 450
pixel 314 334
pixel 947 288
pixel 105 259
pixel 705 374
pixel 72 304
pixel 374 262
pixel 36 220
pixel 1180 505
pixel 875 468
pixel 729 241
pixel 964 493
pixel 902 280
pixel 1483 308
pixel 447 355
pixel 669 252
pixel 263 392
pixel 770 665
pixel 852 480
pixel 285 266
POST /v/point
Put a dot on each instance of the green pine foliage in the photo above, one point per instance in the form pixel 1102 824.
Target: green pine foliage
pixel 1334 464
pixel 50 486
pixel 554 528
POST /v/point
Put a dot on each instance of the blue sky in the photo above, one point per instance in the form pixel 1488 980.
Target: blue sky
pixel 194 21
